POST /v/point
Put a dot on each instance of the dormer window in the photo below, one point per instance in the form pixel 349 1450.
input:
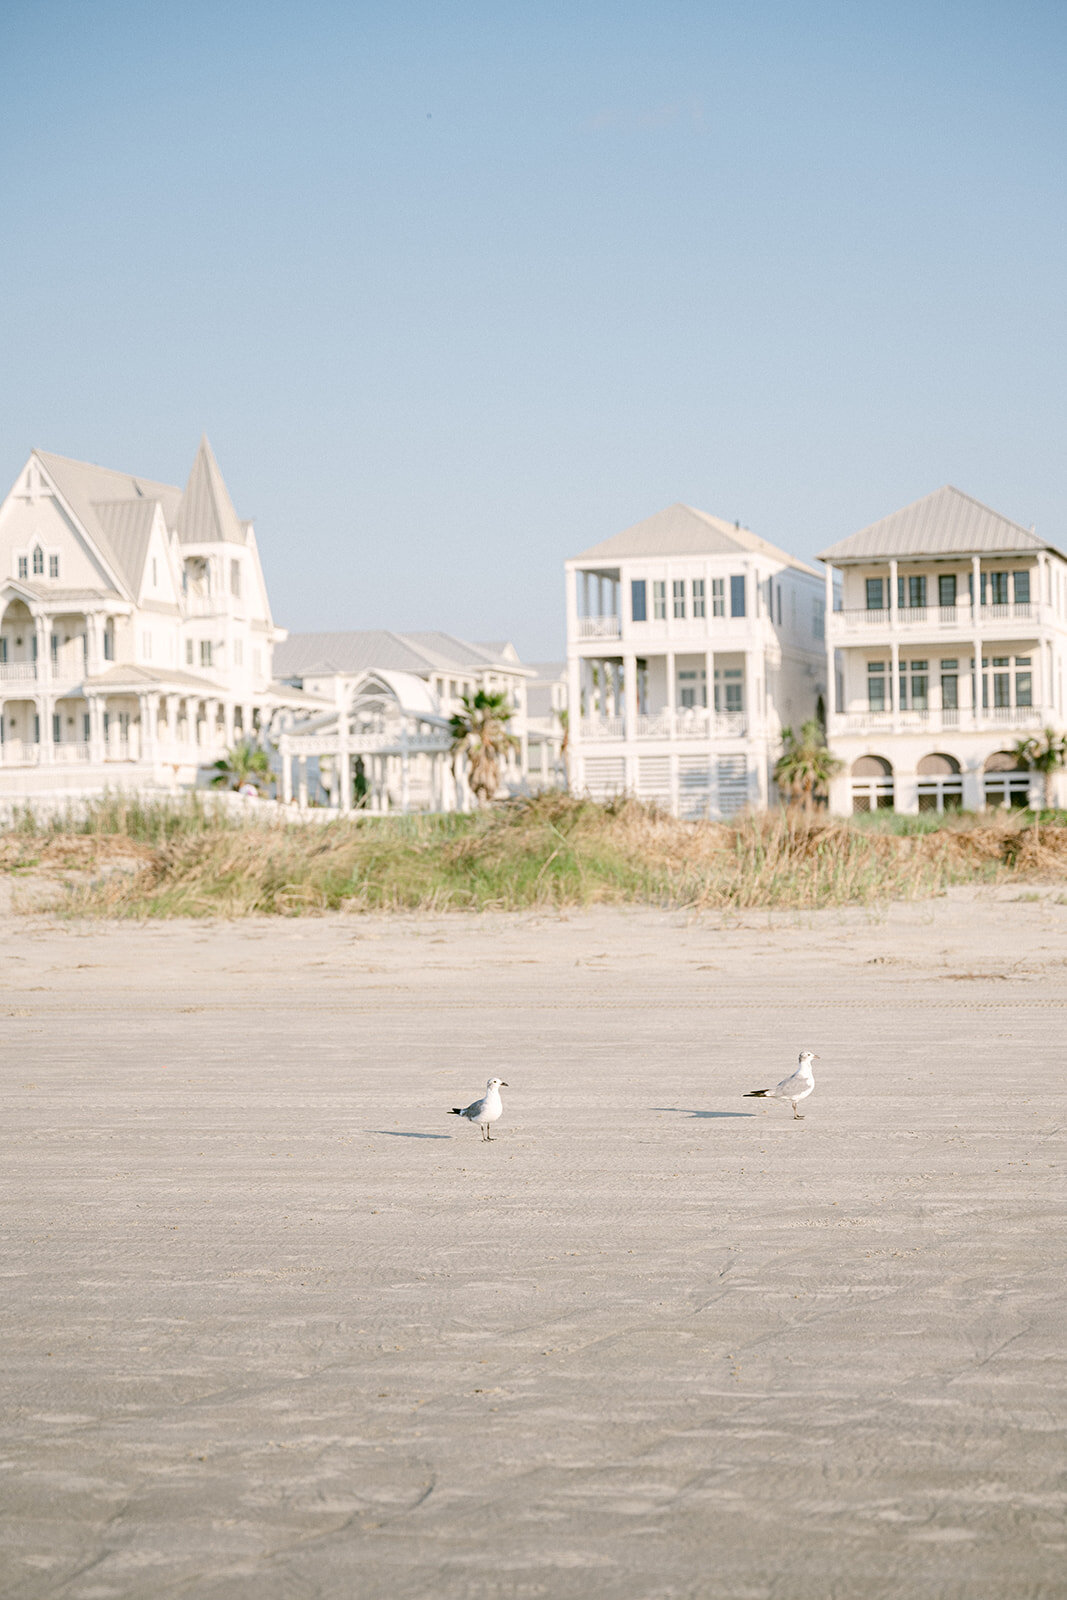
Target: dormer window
pixel 38 562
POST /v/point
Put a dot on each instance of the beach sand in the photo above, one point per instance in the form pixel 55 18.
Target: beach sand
pixel 275 1325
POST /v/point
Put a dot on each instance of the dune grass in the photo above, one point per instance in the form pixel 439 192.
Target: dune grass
pixel 135 859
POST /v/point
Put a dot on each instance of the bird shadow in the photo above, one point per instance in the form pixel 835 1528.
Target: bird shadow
pixel 684 1111
pixel 393 1133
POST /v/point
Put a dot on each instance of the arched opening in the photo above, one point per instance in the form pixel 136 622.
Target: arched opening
pixel 1004 782
pixel 18 644
pixel 940 783
pixel 872 784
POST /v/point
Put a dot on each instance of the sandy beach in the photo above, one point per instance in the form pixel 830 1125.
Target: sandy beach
pixel 274 1325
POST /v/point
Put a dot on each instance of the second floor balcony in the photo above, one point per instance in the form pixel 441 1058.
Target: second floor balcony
pixel 862 623
pixel 682 724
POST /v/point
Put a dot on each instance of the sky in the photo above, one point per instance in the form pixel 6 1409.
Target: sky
pixel 458 290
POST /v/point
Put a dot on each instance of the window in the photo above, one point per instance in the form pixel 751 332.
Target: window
pixel 1022 588
pixel 876 695
pixel 1023 682
pixel 737 596
pixel 188 652
pixel 38 562
pixel 876 594
pixel 917 590
pixel 729 690
pixel 53 566
pixel 638 601
pixel 3 651
pixel 235 579
pixel 692 689
pixel 1001 677
pixel 678 591
pixel 779 593
pixel 85 727
pixel 205 652
pixel 718 597
pixel 57 728
pixel 950 685
pixel 659 600
pixel 946 589
pixel 698 597
pixel 53 641
pixel 998 588
pixel 109 644
pixel 24 567
pixel 914 686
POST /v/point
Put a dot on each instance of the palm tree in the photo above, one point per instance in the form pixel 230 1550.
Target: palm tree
pixel 1045 754
pixel 245 763
pixel 480 732
pixel 805 766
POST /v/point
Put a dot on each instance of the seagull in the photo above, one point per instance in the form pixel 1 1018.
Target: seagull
pixel 486 1110
pixel 795 1088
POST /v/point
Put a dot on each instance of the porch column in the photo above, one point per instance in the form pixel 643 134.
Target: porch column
pixel 672 710
pixel 302 782
pixel 94 656
pixel 287 770
pixel 894 693
pixel 227 723
pixel 753 708
pixel 344 752
pixel 709 679
pixel 44 649
pixel 96 728
pixel 173 709
pixel 47 744
pixel 831 675
pixel 629 692
pixel 211 718
pixel 405 773
pixel 976 644
pixel 893 618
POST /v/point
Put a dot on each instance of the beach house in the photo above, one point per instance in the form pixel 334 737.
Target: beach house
pixel 947 652
pixel 691 642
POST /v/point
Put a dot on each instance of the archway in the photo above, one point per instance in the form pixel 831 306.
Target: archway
pixel 1004 782
pixel 940 783
pixel 872 784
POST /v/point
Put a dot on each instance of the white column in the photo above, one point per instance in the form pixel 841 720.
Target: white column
pixel 96 728
pixel 344 755
pixel 287 770
pixel 672 711
pixel 894 688
pixel 893 619
pixel 227 723
pixel 709 679
pixel 976 643
pixel 405 774
pixel 44 649
pixel 302 780
pixel 828 624
pixel 629 691
pixel 47 745
pixel 211 717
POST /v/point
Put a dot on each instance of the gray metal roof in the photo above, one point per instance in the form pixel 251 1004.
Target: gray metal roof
pixel 206 514
pixel 128 524
pixel 945 523
pixel 306 655
pixel 682 530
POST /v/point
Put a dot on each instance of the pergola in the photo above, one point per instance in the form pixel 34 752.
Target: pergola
pixel 388 727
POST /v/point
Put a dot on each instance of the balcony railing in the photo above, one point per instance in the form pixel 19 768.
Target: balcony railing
pixel 859 619
pixel 681 724
pixel 599 627
pixel 947 720
pixel 18 672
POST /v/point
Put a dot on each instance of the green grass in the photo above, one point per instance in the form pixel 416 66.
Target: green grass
pixel 192 858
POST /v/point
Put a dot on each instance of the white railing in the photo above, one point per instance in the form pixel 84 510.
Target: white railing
pixel 906 615
pixel 934 721
pixel 16 753
pixel 1006 612
pixel 858 619
pixel 70 753
pixel 599 627
pixel 602 727
pixel 202 605
pixel 18 672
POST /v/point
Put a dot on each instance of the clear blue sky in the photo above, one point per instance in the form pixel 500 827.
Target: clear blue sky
pixel 456 290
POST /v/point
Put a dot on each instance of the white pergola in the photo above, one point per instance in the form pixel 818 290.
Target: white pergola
pixel 392 724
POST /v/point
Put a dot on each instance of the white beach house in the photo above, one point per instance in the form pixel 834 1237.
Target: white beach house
pixel 947 650
pixel 379 735
pixel 136 634
pixel 690 643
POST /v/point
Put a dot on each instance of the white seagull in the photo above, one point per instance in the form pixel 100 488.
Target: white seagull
pixel 797 1087
pixel 485 1110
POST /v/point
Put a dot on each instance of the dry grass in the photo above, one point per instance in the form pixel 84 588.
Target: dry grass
pixel 190 860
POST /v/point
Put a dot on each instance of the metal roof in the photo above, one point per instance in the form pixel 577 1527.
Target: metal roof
pixel 307 655
pixel 945 523
pixel 206 514
pixel 682 530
